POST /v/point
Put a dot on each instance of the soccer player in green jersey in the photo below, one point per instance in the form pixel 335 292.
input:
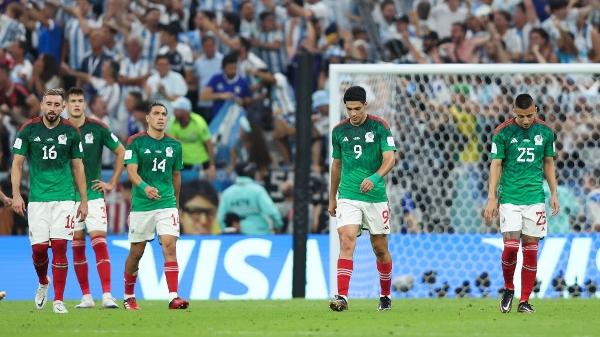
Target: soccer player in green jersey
pixel 153 162
pixel 363 153
pixel 52 146
pixel 522 154
pixel 95 135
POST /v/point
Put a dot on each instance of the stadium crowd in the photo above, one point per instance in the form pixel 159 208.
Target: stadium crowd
pixel 226 70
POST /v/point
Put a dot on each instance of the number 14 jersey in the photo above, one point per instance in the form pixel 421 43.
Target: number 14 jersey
pixel 360 148
pixel 156 160
pixel 522 152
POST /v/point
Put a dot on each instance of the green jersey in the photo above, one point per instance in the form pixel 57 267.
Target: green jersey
pixel 522 152
pixel 360 148
pixel 156 160
pixel 192 138
pixel 49 152
pixel 95 135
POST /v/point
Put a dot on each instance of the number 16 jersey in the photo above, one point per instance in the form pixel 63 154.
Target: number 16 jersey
pixel 49 152
pixel 156 160
pixel 522 152
pixel 360 148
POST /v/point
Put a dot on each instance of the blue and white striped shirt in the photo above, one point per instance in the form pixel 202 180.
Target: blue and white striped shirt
pixel 275 58
pixel 10 30
pixel 79 44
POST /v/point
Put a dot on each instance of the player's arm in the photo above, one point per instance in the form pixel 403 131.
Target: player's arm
pixel 177 185
pixel 16 172
pixel 492 205
pixel 550 173
pixel 79 177
pixel 387 163
pixel 336 172
pixel 177 173
pixel 336 176
pixel 119 151
pixel 137 181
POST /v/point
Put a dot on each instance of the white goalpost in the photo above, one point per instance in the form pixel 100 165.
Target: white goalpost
pixel 442 117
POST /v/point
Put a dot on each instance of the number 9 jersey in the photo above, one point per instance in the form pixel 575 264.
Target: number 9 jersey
pixel 522 152
pixel 360 148
pixel 156 160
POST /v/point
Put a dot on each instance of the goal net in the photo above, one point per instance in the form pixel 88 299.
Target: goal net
pixel 442 118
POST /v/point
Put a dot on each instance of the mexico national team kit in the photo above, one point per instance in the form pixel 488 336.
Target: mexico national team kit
pixel 95 135
pixel 52 189
pixel 156 160
pixel 360 149
pixel 521 196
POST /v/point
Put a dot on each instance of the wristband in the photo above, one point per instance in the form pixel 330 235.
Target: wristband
pixel 143 185
pixel 375 178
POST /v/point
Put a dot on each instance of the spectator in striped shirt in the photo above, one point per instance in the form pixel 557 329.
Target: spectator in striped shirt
pixel 134 70
pixel 148 31
pixel 78 29
pixel 248 26
pixel 270 44
pixel 11 29
pixel 179 54
pixel 228 34
pixel 205 67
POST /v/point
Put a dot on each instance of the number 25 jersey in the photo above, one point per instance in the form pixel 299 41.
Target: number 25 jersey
pixel 156 160
pixel 522 152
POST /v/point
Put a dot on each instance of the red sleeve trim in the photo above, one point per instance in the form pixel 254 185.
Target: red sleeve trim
pixel 96 121
pixel 379 120
pixel 540 121
pixel 509 122
pixel 344 121
pixel 34 120
pixel 133 137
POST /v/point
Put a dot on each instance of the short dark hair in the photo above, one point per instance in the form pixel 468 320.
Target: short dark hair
pixel 246 169
pixel 355 93
pixel 244 42
pixel 229 58
pixel 208 38
pixel 153 104
pixel 543 33
pixel 557 4
pixel 265 14
pixel 141 105
pixel 75 91
pixel 137 95
pixel 523 101
pixel 233 19
pixel 209 14
pixel 201 188
pixel 172 29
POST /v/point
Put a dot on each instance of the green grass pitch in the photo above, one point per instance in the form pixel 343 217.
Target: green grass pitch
pixel 430 317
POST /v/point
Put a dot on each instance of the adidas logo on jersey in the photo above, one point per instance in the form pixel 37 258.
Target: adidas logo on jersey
pixel 345 139
pixel 147 151
pixel 514 140
pixel 37 139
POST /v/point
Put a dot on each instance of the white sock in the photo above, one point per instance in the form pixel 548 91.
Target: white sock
pixel 106 295
pixel 172 296
pixel 127 296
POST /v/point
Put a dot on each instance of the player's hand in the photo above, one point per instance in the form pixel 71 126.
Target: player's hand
pixel 18 205
pixel 366 185
pixel 491 210
pixel 82 211
pixel 7 201
pixel 332 207
pixel 102 186
pixel 152 193
pixel 554 204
